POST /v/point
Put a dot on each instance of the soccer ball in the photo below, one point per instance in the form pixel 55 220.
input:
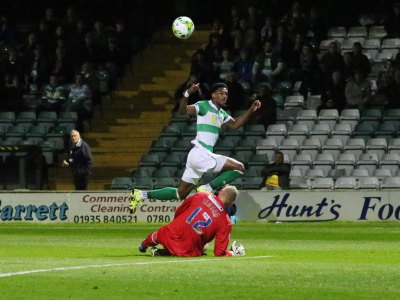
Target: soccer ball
pixel 183 27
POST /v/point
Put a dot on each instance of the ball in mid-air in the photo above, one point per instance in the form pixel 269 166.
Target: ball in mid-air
pixel 183 27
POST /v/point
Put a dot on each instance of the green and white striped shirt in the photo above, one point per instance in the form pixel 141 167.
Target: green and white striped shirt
pixel 209 122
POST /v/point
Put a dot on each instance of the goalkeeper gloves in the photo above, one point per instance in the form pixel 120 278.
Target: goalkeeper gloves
pixel 237 249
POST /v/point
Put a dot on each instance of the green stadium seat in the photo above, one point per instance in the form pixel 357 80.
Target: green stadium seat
pixel 150 159
pixel 121 183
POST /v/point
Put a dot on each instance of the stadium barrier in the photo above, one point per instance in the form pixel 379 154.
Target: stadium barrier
pixel 284 206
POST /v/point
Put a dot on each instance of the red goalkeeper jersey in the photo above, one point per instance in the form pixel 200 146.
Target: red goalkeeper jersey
pixel 199 219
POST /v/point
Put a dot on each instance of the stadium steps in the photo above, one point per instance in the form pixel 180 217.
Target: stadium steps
pixel 137 112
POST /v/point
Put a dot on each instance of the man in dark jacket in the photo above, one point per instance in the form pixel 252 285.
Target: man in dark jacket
pixel 79 160
pixel 276 174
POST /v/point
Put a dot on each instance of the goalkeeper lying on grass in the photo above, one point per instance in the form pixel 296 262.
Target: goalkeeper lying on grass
pixel 201 218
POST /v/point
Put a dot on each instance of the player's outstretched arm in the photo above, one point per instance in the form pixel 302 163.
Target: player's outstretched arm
pixel 185 109
pixel 241 120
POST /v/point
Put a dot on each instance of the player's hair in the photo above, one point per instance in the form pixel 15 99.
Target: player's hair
pixel 228 194
pixel 217 86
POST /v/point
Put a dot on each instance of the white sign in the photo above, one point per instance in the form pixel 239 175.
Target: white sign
pixel 287 206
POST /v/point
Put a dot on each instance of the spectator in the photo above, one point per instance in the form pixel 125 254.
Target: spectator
pixel 62 67
pixel 268 31
pixel 268 65
pixel 331 61
pixel 243 68
pixel 316 25
pixel 348 67
pixel 283 45
pixel 276 174
pixel 245 37
pixel 79 160
pixel 201 66
pixel 37 69
pixel 13 100
pixel 358 91
pixel 360 60
pixel 309 70
pixel 80 100
pixel 223 67
pixel 89 75
pixel 54 96
pixel 266 115
pixel 237 99
pixel 333 95
pixel 392 91
pixel 392 21
pixel 385 75
pixel 201 94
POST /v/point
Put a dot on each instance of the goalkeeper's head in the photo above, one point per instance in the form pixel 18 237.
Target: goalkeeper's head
pixel 228 194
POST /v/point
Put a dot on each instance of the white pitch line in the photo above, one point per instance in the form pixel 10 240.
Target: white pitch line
pixel 120 265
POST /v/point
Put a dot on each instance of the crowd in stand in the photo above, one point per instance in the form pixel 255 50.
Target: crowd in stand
pixel 255 47
pixel 66 60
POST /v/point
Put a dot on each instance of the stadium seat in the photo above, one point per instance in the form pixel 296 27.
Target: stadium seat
pixel 258 160
pixel 394 145
pixel 164 171
pixel 290 147
pixel 267 146
pixel 181 146
pixel 172 160
pixel 298 132
pixel 286 117
pixel 342 131
pixel 239 132
pixel 177 117
pixel 393 43
pixel 382 173
pixel 337 173
pixel 322 183
pixel 371 114
pixel 26 117
pixel 294 101
pixel 150 159
pixel 312 174
pixel 320 131
pixel 121 183
pixel 143 172
pixel 14 134
pixel 390 183
pixel 347 162
pixel 47 117
pixel 174 130
pixel 392 114
pixel 278 131
pixel 311 146
pixel 348 43
pixel 368 183
pixel 339 31
pixel 368 161
pixel 390 161
pixel 364 130
pixel 307 116
pixel 162 182
pixel 302 162
pixel 257 130
pixel 377 32
pixel 243 156
pixel 299 183
pixel 333 146
pixel 7 117
pixel 313 101
pixel 378 146
pixel 355 146
pixel 387 129
pixel 49 152
pixel 189 131
pixel 226 144
pixel 359 173
pixel 324 162
pixel 372 44
pixel 247 144
pixel 36 133
pixel 68 116
pixel 357 31
pixel 253 183
pixel 57 135
pixel 163 144
pixel 346 183
pixel 143 183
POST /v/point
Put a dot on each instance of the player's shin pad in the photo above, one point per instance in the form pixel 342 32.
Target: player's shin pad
pixel 225 178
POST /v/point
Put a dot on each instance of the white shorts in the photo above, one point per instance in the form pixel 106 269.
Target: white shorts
pixel 200 161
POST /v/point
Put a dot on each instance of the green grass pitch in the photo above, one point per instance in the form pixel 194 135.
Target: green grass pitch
pixel 283 261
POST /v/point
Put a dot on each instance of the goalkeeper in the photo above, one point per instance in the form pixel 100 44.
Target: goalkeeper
pixel 198 220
